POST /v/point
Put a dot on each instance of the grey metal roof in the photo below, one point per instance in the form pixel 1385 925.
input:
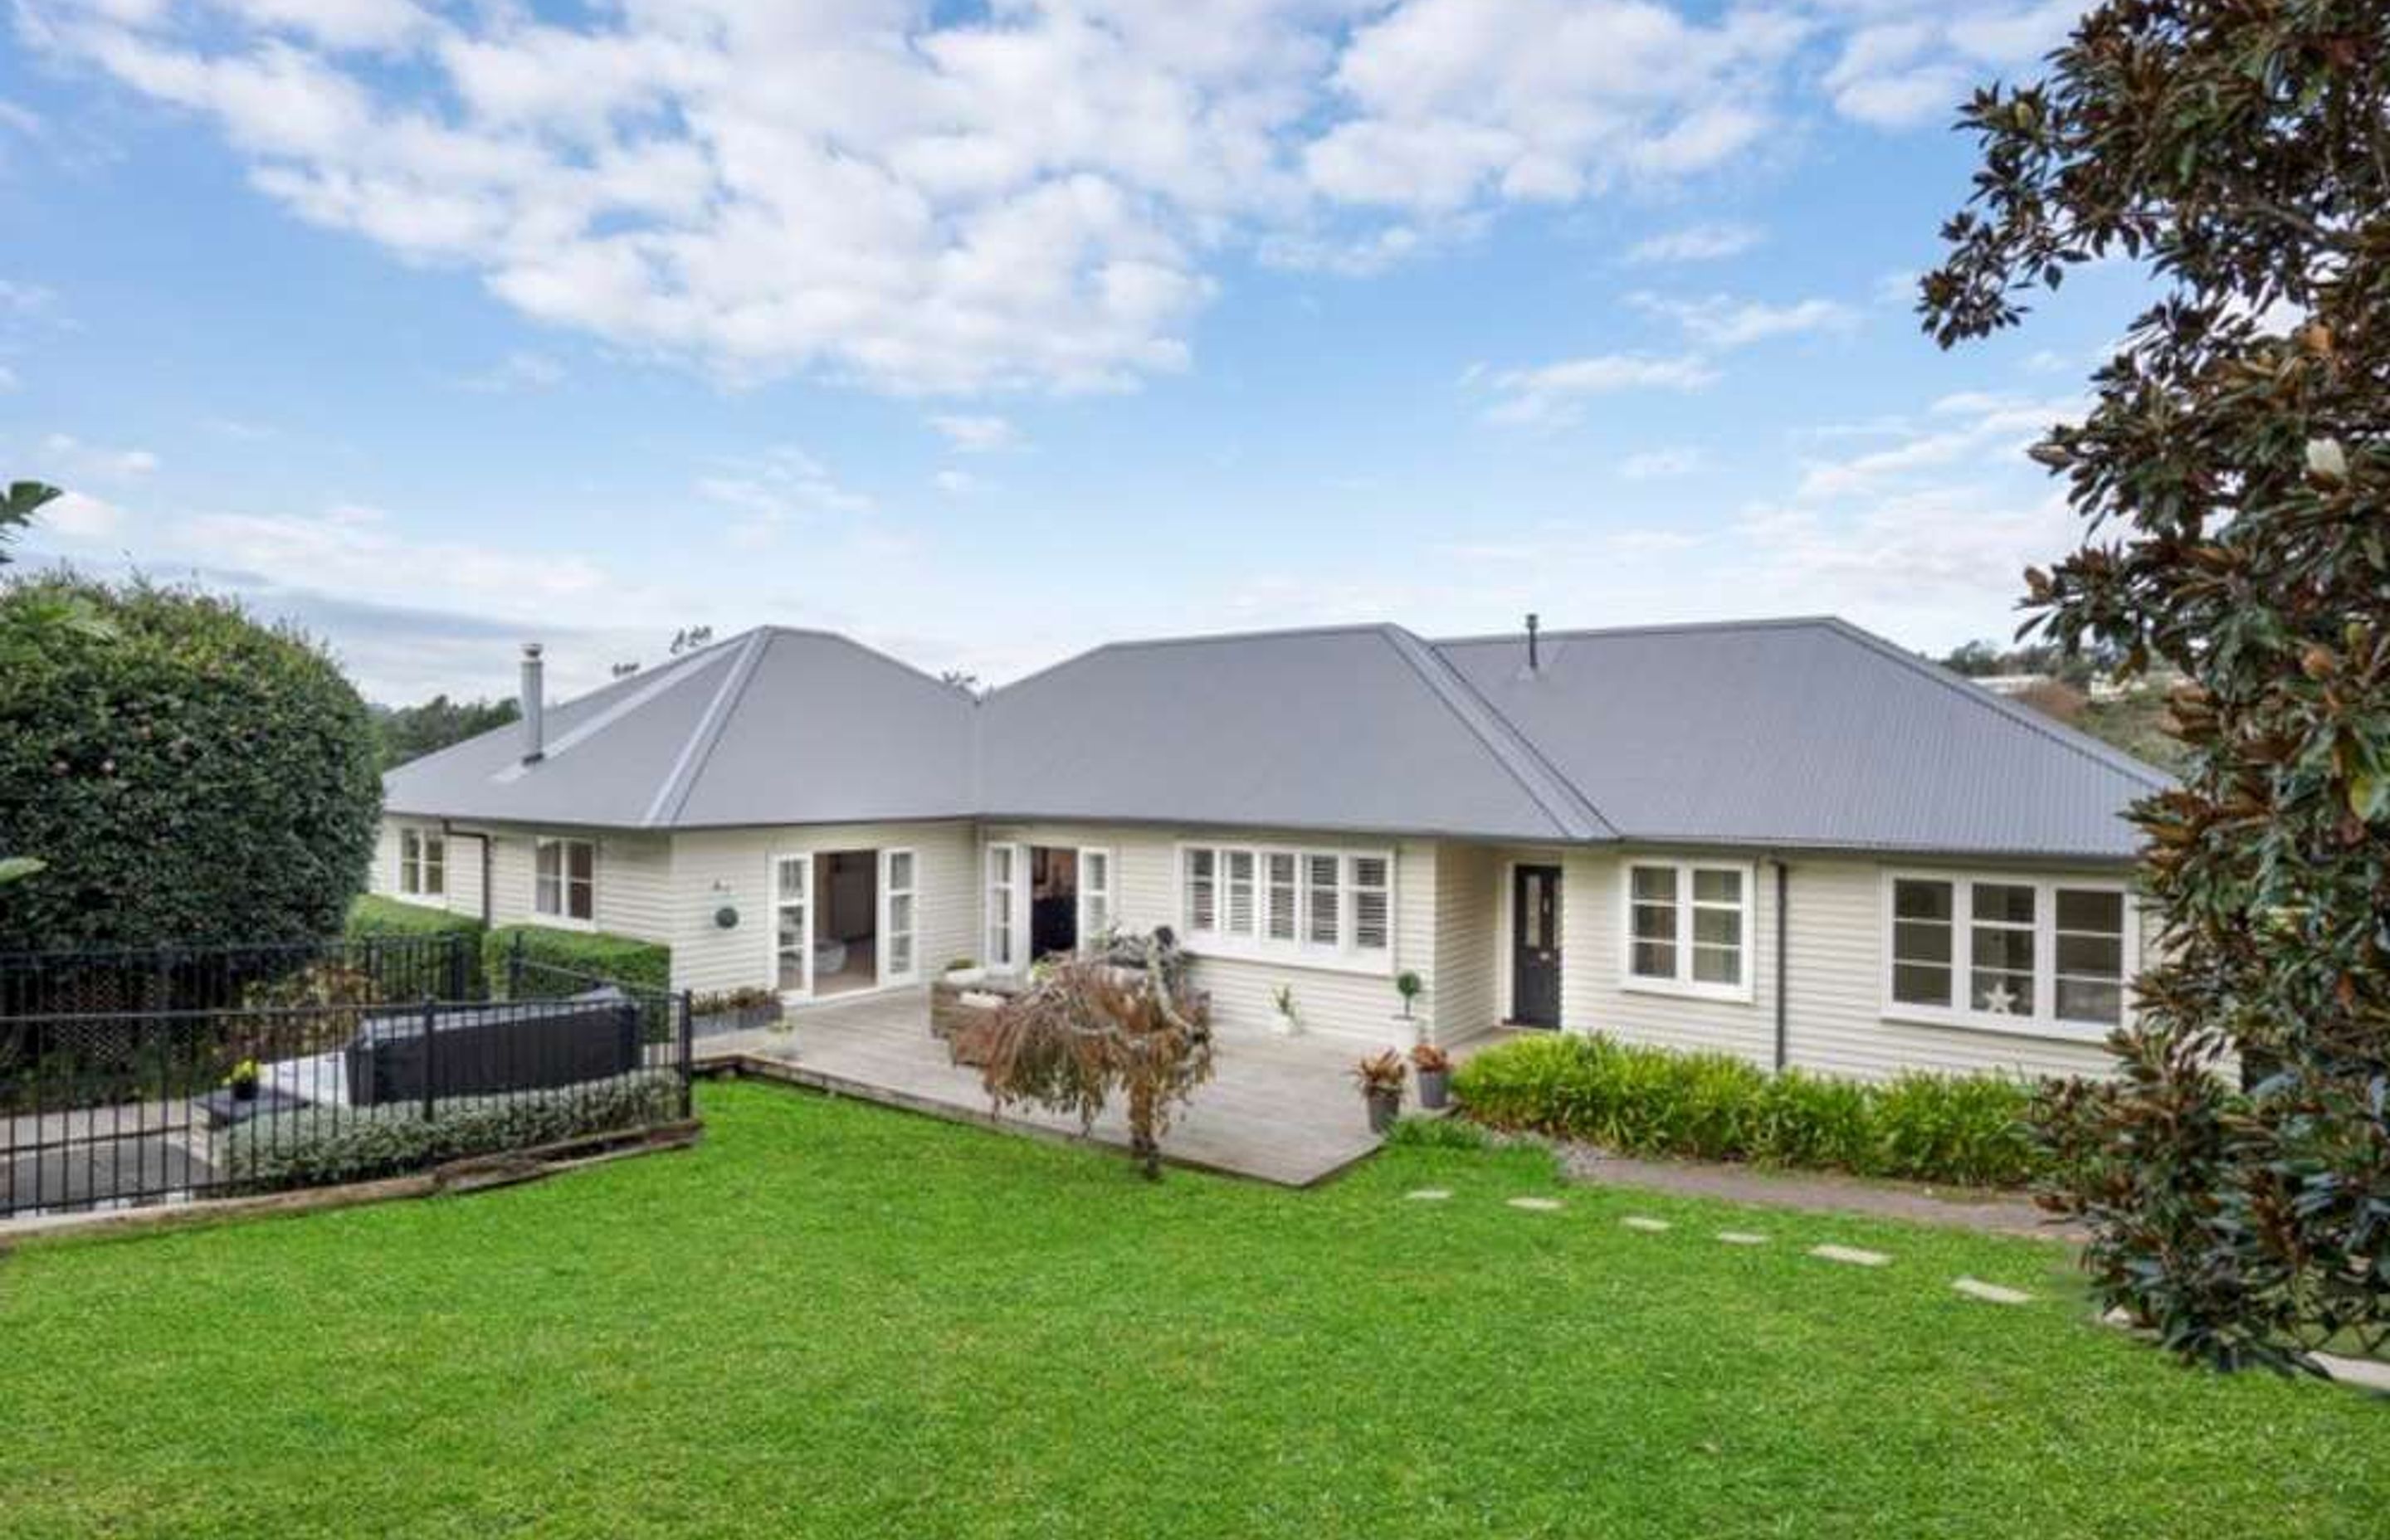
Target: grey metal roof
pixel 771 727
pixel 1356 728
pixel 1793 734
pixel 1803 733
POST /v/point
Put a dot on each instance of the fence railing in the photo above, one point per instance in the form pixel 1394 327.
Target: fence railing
pixel 293 1081
pixel 93 981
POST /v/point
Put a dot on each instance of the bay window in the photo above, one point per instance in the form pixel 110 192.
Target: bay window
pixel 2039 956
pixel 1689 928
pixel 1328 906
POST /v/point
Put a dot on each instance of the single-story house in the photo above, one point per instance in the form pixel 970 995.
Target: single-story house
pixel 1787 838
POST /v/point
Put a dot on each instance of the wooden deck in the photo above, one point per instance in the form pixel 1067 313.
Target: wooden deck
pixel 1281 1111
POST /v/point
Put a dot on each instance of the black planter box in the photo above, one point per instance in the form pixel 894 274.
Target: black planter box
pixel 483 1051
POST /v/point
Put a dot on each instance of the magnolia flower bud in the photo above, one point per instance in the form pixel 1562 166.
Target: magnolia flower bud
pixel 2327 459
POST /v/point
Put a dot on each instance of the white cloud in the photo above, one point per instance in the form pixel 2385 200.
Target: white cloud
pixel 8 380
pixel 772 491
pixel 516 373
pixel 977 434
pixel 955 483
pixel 925 199
pixel 1553 393
pixel 1695 243
pixel 1721 322
pixel 67 460
pixel 76 516
pixel 1973 427
pixel 1654 464
pixel 1913 64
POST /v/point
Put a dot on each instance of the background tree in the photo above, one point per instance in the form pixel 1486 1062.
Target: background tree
pixel 411 732
pixel 191 777
pixel 2233 473
pixel 26 629
pixel 1122 1021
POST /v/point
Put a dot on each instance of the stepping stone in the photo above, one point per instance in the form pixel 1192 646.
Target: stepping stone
pixel 1742 1238
pixel 1536 1205
pixel 1976 1288
pixel 1430 1195
pixel 1636 1221
pixel 1856 1256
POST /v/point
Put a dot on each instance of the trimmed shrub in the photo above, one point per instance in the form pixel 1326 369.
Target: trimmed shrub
pixel 563 962
pixel 1436 1133
pixel 192 779
pixel 1649 1101
pixel 305 1149
pixel 373 916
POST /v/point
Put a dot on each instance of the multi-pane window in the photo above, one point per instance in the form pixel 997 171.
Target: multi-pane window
pixel 1094 894
pixel 1288 902
pixel 564 879
pixel 2037 953
pixel 1002 882
pixel 1280 896
pixel 1689 926
pixel 422 863
pixel 898 963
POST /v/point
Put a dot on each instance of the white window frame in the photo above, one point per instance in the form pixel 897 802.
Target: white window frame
pixel 1344 954
pixel 1683 983
pixel 1098 910
pixel 424 836
pixel 1005 904
pixel 562 918
pixel 884 941
pixel 804 859
pixel 2041 1020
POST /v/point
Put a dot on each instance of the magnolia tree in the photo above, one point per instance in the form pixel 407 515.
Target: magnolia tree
pixel 2235 479
pixel 1119 1021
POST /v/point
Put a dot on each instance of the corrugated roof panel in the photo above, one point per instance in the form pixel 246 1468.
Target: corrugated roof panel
pixel 1802 733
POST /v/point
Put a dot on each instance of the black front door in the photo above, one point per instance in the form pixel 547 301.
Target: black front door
pixel 1536 946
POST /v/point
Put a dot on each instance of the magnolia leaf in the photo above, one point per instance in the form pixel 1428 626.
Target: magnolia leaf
pixel 14 868
pixel 2368 794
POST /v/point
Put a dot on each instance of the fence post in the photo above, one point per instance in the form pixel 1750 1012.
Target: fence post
pixel 685 1007
pixel 431 1036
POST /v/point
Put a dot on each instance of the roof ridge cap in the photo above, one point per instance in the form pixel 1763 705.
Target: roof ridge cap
pixel 1570 810
pixel 678 782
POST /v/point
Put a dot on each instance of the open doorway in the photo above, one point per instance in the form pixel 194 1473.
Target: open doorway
pixel 847 921
pixel 843 921
pixel 1053 901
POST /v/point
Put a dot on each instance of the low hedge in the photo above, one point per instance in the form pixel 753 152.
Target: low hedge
pixel 371 915
pixel 1966 1129
pixel 305 1148
pixel 412 967
pixel 579 954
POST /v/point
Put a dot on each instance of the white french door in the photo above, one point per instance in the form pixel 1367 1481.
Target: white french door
pixel 1005 922
pixel 899 959
pixel 1095 897
pixel 792 928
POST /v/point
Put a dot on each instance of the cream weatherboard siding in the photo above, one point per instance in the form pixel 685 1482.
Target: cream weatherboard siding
pixel 463 863
pixel 1835 1023
pixel 717 868
pixel 1329 1001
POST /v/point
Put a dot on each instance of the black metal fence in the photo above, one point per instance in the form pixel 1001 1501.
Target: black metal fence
pixel 195 1073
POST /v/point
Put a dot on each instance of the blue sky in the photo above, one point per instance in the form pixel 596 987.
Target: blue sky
pixel 986 334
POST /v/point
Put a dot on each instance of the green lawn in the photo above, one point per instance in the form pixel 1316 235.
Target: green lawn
pixel 832 1321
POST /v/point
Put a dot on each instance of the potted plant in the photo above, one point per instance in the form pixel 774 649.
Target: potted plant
pixel 1434 1068
pixel 734 1011
pixel 1282 997
pixel 1410 986
pixel 1380 1078
pixel 242 1081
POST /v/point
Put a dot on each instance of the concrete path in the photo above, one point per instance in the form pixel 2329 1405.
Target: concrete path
pixel 1990 1213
